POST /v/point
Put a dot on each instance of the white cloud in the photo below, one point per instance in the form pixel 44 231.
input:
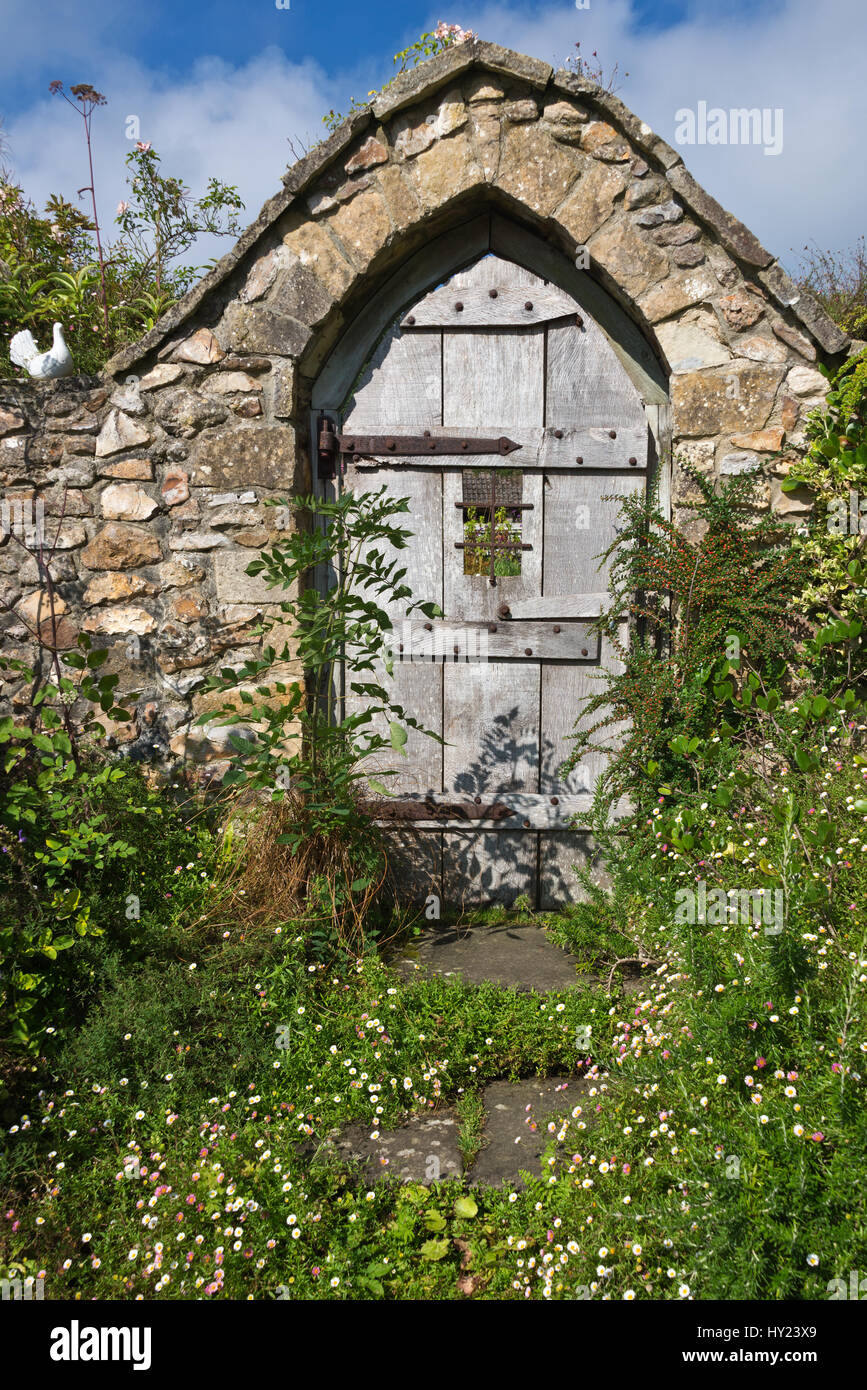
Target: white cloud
pixel 233 121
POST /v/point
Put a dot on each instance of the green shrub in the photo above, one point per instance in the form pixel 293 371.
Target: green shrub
pixel 688 605
pixel 80 857
pixel 835 471
pixel 297 742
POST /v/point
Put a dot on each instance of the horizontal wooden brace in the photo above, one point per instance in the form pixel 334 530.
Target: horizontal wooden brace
pixel 623 448
pixel 443 640
pixel 553 606
pixel 513 307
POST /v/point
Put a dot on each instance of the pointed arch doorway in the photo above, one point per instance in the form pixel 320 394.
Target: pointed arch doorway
pixel 513 421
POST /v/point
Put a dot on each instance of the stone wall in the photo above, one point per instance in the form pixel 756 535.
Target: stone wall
pixel 166 462
pixel 151 495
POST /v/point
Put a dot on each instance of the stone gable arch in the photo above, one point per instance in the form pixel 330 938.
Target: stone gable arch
pixel 479 149
pixel 700 313
pixel 490 232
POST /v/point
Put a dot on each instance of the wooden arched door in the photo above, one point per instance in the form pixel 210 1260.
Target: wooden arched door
pixel 506 541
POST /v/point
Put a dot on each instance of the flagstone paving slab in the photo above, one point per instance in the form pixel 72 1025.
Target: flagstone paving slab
pixel 515 955
pixel 424 1150
pixel 516 1125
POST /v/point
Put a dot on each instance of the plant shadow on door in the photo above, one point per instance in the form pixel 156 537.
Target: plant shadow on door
pixel 514 861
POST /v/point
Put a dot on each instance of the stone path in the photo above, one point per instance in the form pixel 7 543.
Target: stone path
pixel 512 955
pixel 516 1126
pixel 426 1148
pixel 515 955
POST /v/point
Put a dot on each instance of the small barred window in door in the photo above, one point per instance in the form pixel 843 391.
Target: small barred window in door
pixel 492 505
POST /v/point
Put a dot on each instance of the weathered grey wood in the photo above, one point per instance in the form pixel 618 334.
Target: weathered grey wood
pixel 495 375
pixel 472 597
pixel 660 424
pixel 495 271
pixel 539 810
pixel 415 864
pixel 564 691
pixel 512 241
pixel 582 514
pixel 540 447
pixel 560 606
pixel 491 728
pixel 558 854
pixel 485 867
pixel 417 690
pixel 422 641
pixel 506 716
pixel 439 258
pixel 594 446
pixel 587 387
pixel 402 383
pixel 423 558
pixel 488 308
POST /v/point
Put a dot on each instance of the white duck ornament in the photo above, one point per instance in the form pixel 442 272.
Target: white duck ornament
pixel 42 365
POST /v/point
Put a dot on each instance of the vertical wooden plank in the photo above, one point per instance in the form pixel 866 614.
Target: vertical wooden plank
pixel 559 854
pixel 488 867
pixel 418 690
pixel 581 522
pixel 401 385
pixel 564 690
pixel 415 863
pixel 423 556
pixel 659 421
pixel 491 728
pixel 415 684
pixel 493 378
pixel 586 384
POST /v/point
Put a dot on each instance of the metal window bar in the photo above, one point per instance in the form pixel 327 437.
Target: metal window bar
pixel 489 490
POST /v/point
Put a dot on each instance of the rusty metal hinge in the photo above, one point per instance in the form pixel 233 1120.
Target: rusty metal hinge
pixel 415 445
pixel 326 448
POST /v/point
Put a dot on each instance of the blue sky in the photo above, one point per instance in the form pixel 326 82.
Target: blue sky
pixel 221 88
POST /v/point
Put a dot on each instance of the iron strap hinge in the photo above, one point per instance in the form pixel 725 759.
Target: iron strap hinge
pixel 414 444
pixel 331 445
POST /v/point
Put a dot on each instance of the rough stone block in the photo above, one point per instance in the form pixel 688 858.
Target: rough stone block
pixel 724 399
pixel 121 547
pixel 591 201
pixel 246 456
pixel 632 261
pixel 234 585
